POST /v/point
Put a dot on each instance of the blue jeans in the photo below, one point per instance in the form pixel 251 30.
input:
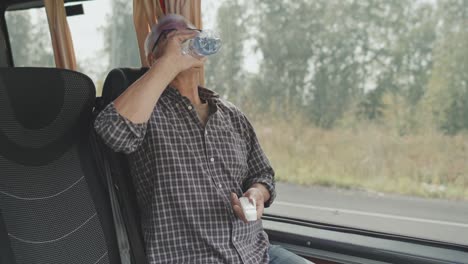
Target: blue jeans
pixel 279 255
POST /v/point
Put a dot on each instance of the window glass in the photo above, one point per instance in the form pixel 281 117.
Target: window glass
pixel 360 106
pixel 104 38
pixel 29 38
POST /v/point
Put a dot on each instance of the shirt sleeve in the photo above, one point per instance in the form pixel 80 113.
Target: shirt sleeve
pixel 260 169
pixel 119 133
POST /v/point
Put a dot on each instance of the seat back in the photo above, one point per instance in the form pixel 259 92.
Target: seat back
pixel 6 255
pixel 117 81
pixel 54 205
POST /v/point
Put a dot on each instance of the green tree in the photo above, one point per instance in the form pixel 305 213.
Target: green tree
pixel 285 40
pixel 447 98
pixel 19 30
pixel 319 56
pixel 371 106
pixel 405 61
pixel 121 44
pixel 224 72
pixel 324 58
pixel 42 53
pixel 30 38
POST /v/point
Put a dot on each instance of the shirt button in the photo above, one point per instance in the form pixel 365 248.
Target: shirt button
pixel 220 185
pixel 177 104
pixel 206 132
pixel 189 107
pixel 212 159
pixel 234 239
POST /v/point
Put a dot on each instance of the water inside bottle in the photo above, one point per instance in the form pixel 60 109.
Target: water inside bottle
pixel 206 43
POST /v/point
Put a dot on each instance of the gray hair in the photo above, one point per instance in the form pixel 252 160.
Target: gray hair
pixel 170 21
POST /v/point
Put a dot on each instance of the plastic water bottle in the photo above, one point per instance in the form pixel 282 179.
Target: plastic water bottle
pixel 205 43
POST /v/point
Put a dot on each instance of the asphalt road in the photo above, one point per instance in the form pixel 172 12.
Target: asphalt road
pixel 433 219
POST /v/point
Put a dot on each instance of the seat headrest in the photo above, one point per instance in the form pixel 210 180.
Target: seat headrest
pixel 40 111
pixel 118 80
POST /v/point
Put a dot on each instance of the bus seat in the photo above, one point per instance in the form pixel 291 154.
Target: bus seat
pixel 6 254
pixel 54 204
pixel 115 84
pixel 117 81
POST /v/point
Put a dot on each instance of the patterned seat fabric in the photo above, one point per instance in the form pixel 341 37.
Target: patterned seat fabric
pixel 54 205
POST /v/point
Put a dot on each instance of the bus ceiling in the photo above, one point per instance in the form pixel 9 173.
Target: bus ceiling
pixel 12 5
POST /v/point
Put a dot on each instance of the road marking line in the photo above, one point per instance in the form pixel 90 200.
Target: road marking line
pixel 335 210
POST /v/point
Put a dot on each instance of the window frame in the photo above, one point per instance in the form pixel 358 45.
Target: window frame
pixel 352 245
pixel 283 230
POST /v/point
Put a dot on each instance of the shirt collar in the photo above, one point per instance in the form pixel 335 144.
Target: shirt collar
pixel 204 93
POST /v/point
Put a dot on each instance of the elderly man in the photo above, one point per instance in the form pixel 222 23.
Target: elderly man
pixel 191 155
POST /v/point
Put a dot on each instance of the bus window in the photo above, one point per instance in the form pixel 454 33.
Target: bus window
pixel 29 38
pixel 360 106
pixel 106 40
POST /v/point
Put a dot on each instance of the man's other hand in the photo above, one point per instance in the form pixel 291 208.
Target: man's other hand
pixel 257 193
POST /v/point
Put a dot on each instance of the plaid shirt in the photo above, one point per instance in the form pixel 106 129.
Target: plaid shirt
pixel 184 173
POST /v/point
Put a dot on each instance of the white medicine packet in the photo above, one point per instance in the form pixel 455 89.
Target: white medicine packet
pixel 249 209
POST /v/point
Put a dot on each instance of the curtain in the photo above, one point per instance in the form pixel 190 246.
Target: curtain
pixel 145 15
pixel 62 43
pixel 190 9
